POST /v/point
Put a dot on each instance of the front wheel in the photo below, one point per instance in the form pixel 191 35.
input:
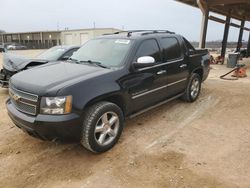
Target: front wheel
pixel 102 126
pixel 193 89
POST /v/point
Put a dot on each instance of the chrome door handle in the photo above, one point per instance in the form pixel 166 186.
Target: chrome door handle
pixel 183 66
pixel 161 72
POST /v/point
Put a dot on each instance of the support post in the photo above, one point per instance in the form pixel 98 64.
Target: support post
pixel 248 46
pixel 204 24
pixel 239 44
pixel 2 39
pixel 41 38
pixel 19 38
pixel 225 37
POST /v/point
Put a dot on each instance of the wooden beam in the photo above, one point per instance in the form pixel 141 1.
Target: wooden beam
pixel 226 2
pixel 248 46
pixel 235 25
pixel 246 29
pixel 213 18
pixel 204 25
pixel 239 44
pixel 219 20
pixel 225 37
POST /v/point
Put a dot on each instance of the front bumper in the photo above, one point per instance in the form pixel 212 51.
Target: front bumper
pixel 46 127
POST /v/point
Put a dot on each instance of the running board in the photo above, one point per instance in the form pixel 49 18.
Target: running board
pixel 154 106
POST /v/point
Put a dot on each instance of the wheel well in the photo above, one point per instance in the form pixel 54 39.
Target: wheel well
pixel 116 99
pixel 199 72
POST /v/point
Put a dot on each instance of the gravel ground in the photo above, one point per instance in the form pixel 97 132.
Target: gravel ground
pixel 203 144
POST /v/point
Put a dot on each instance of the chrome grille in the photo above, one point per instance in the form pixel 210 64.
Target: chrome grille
pixel 24 94
pixel 23 101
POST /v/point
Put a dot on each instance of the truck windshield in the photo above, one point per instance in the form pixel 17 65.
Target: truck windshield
pixel 108 52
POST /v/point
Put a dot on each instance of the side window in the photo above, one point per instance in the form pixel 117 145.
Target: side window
pixel 188 45
pixel 149 48
pixel 69 53
pixel 171 49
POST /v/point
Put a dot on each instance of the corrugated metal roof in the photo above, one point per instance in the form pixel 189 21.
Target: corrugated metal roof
pixel 238 9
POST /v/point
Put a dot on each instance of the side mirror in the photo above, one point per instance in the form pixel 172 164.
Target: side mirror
pixel 145 61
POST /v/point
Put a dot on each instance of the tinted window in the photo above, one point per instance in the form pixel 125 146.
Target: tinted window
pixel 149 48
pixel 171 49
pixel 70 52
pixel 188 45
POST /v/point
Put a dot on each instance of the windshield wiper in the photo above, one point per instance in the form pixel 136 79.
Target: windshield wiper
pixel 93 62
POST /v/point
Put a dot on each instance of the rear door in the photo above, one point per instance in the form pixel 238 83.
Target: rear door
pixel 176 65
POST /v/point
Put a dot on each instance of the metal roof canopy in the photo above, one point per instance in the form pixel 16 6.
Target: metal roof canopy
pixel 239 8
pixel 236 9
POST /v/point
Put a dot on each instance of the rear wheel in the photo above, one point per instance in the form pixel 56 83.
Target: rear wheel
pixel 102 126
pixel 193 88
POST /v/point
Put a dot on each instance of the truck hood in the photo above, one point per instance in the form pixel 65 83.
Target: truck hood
pixel 15 63
pixel 49 78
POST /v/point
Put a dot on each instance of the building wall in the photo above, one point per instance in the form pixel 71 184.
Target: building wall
pixel 47 39
pixel 78 37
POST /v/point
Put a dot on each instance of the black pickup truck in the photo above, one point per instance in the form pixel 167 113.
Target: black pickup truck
pixel 108 79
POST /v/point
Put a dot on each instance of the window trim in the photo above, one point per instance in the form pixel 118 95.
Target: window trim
pixel 162 64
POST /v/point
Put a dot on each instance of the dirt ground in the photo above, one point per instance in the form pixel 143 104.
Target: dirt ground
pixel 203 144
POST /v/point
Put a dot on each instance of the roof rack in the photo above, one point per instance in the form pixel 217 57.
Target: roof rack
pixel 158 31
pixel 143 32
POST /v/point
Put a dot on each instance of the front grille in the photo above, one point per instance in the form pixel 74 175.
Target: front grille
pixel 23 101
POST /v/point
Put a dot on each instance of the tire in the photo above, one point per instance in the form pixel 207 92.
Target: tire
pixel 102 126
pixel 193 89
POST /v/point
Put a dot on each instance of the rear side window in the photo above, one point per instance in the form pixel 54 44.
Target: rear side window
pixel 188 45
pixel 149 48
pixel 171 49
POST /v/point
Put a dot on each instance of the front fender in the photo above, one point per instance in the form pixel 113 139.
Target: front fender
pixel 89 91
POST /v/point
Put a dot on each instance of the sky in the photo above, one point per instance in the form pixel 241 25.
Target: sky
pixel 42 15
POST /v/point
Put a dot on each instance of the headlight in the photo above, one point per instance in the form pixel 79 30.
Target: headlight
pixel 56 105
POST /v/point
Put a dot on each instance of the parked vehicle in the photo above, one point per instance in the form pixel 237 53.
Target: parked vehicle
pixel 243 53
pixel 14 63
pixel 108 79
pixel 16 46
pixel 2 48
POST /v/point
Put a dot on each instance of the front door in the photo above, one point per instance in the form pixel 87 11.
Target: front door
pixel 146 85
